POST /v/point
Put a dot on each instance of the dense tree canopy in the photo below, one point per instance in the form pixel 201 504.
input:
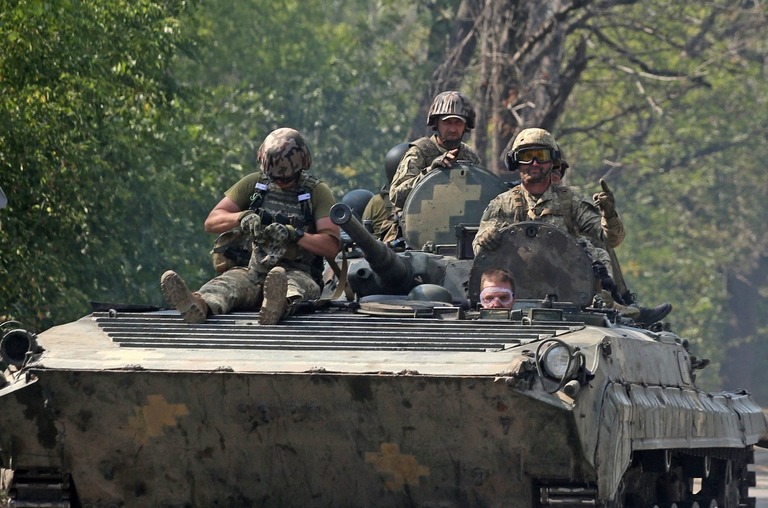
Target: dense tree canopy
pixel 122 123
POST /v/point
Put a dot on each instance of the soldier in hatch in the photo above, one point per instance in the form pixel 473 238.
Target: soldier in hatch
pixel 450 116
pixel 497 289
pixel 594 223
pixel 286 213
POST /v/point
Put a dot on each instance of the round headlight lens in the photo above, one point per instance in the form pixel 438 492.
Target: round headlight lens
pixel 556 361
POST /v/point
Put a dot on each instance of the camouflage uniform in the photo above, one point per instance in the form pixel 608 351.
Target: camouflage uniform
pixel 416 164
pixel 381 212
pixel 240 288
pixel 275 218
pixel 518 205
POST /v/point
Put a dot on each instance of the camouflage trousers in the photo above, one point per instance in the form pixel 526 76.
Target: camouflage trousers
pixel 242 289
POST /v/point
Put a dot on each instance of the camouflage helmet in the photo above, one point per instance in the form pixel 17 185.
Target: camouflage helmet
pixel 430 293
pixel 284 154
pixel 393 158
pixel 451 103
pixel 532 137
pixel 357 200
pixel 535 137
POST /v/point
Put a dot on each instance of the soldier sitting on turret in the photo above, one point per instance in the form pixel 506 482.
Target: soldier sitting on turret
pixel 535 153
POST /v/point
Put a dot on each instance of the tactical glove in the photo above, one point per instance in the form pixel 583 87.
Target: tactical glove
pixel 605 201
pixel 250 222
pixel 281 233
pixel 440 161
pixel 488 239
pixel 272 244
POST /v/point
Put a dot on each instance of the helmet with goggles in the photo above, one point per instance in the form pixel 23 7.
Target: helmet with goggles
pixel 284 154
pixel 532 144
pixel 451 103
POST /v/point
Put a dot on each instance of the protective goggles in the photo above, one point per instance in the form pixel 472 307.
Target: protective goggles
pixel 528 155
pixel 504 296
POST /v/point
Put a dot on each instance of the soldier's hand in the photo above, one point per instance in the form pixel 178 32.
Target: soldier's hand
pixel 488 239
pixel 272 244
pixel 277 234
pixel 250 222
pixel 445 160
pixel 604 200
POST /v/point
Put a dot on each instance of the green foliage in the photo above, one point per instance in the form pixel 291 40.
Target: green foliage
pixel 122 124
pixel 335 71
pixel 94 154
pixel 677 137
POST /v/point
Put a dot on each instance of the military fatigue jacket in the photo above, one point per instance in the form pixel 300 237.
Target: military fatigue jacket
pixel 381 212
pixel 415 165
pixel 560 206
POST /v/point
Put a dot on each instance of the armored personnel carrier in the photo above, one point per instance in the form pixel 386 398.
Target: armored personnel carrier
pixel 381 398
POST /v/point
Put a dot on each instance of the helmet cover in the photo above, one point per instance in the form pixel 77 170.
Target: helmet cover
pixel 535 137
pixel 284 154
pixel 532 137
pixel 451 103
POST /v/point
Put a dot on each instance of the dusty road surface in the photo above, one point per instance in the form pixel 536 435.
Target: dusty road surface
pixel 761 468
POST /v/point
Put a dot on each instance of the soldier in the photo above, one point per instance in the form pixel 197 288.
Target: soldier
pixel 497 289
pixel 380 211
pixel 536 153
pixel 451 116
pixel 286 213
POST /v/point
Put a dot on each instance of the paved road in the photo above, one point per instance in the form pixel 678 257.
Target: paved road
pixel 761 468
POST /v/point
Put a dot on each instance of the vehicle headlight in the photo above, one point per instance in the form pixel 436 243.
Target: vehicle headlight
pixel 556 361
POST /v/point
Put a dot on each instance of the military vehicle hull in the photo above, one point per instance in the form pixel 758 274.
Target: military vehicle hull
pixel 380 400
pixel 233 413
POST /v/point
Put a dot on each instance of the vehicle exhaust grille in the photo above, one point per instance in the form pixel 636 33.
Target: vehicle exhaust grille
pixel 331 331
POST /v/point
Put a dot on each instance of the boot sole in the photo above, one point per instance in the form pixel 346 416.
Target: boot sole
pixel 180 297
pixel 275 291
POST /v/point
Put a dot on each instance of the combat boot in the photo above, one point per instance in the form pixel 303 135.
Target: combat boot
pixel 649 316
pixel 643 315
pixel 191 305
pixel 275 304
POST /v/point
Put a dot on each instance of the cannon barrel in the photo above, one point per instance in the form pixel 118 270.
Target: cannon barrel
pixel 16 343
pixel 392 270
